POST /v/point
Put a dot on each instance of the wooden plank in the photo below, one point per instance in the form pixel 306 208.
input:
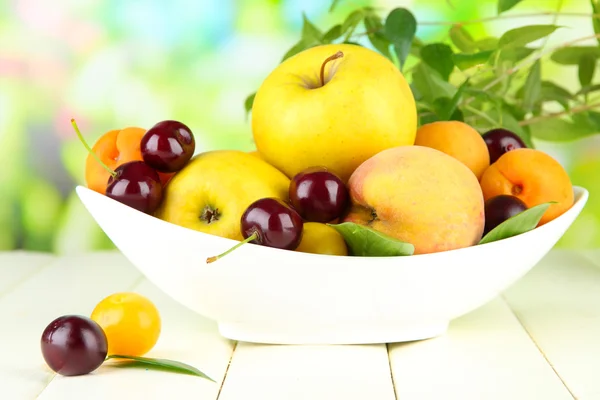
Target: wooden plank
pixel 485 355
pixel 559 304
pixel 17 266
pixel 276 372
pixel 185 337
pixel 68 285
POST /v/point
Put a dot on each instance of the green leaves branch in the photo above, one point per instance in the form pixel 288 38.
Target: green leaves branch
pixel 487 81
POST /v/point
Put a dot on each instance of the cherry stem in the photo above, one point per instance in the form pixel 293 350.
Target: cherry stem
pixel 337 55
pixel 89 149
pixel 248 239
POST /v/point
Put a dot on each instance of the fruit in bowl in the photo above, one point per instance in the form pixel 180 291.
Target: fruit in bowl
pixel 347 224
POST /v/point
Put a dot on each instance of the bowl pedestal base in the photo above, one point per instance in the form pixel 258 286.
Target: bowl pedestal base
pixel 357 333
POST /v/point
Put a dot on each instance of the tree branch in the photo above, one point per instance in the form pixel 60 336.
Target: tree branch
pixel 501 17
pixel 572 111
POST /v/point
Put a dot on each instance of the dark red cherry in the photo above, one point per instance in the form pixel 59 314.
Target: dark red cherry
pixel 269 222
pixel 318 195
pixel 500 208
pixel 168 146
pixel 500 141
pixel 137 185
pixel 74 345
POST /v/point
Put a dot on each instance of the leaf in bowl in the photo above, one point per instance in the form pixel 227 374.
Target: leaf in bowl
pixel 159 364
pixel 367 242
pixel 523 222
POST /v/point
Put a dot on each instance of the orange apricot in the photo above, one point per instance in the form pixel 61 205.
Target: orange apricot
pixel 458 140
pixel 533 176
pixel 114 148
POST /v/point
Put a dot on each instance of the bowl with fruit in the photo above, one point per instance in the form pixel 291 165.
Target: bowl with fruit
pixel 361 229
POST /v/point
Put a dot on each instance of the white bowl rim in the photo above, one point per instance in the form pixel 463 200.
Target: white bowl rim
pixel 581 196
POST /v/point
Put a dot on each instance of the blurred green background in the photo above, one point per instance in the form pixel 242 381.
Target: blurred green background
pixel 114 63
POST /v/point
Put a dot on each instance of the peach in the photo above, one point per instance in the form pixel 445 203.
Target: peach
pixel 533 176
pixel 418 195
pixel 458 140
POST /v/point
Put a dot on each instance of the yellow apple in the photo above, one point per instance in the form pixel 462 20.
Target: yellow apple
pixel 363 105
pixel 213 190
pixel 418 195
pixel 319 238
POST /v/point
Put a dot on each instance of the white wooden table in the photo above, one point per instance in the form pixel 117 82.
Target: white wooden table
pixel 538 340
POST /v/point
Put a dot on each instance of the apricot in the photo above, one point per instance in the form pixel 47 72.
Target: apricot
pixel 114 148
pixel 458 140
pixel 534 177
pixel 318 238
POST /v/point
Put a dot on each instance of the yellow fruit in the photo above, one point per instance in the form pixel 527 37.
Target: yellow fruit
pixel 131 322
pixel 213 190
pixel 418 195
pixel 364 107
pixel 318 238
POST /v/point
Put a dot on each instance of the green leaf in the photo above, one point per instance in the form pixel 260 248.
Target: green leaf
pixel 462 39
pixel 533 86
pixel 430 85
pixel 367 242
pixel 595 19
pixel 466 61
pixel 572 54
pixel 159 363
pixel 374 25
pixel 514 54
pixel 589 89
pixel 295 49
pixel 351 21
pixel 400 28
pixel 587 67
pixel 565 129
pixel 248 103
pixel 448 110
pixel 553 92
pixel 523 222
pixel 332 34
pixel 439 57
pixel 488 43
pixel 521 36
pixel 310 33
pixel 505 5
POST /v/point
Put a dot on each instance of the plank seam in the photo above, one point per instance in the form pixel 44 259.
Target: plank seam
pixel 516 315
pixel 387 347
pixel 227 369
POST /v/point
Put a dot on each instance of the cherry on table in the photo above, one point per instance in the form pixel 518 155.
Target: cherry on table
pixel 318 195
pixel 73 345
pixel 137 185
pixel 168 146
pixel 500 141
pixel 500 208
pixel 269 222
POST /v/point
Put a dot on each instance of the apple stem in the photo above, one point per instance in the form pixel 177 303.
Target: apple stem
pixel 89 149
pixel 248 239
pixel 337 55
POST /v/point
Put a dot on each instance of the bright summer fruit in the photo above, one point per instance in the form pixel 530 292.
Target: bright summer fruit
pixel 318 238
pixel 213 190
pixel 133 183
pixel 137 185
pixel 458 140
pixel 500 208
pixel 500 141
pixel 168 146
pixel 131 322
pixel 318 195
pixel 534 177
pixel 418 195
pixel 269 222
pixel 332 105
pixel 73 345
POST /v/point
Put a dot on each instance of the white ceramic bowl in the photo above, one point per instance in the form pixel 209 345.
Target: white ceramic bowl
pixel 261 294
